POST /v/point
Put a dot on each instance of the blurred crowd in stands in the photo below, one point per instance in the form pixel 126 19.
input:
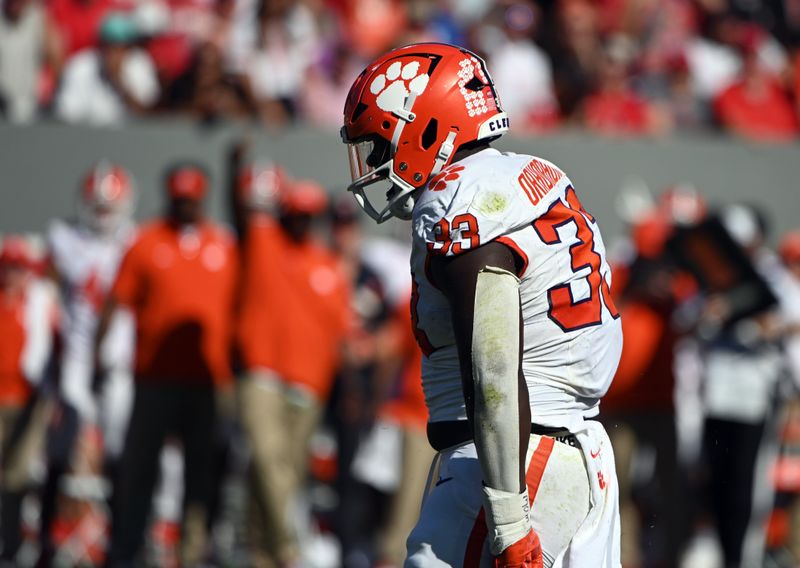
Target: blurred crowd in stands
pixel 615 67
pixel 188 393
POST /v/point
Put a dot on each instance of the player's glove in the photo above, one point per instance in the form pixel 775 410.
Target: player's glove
pixel 525 553
pixel 513 542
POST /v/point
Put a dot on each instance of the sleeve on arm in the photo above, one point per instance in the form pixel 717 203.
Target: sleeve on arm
pixel 39 310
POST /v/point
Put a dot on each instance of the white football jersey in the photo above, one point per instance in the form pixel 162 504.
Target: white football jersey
pixel 572 332
pixel 87 265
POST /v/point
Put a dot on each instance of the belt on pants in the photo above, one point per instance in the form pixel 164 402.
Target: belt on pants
pixel 446 434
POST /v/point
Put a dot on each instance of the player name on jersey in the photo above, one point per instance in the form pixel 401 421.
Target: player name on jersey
pixel 537 179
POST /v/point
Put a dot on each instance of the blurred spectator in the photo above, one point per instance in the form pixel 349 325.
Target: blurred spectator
pixel 326 86
pixel 103 86
pixel 293 314
pixel 577 48
pixel 757 106
pixel 206 91
pixel 286 42
pixel 27 315
pixel 26 42
pixel 372 26
pixel 78 22
pixel 522 71
pixel 614 108
pixel 713 62
pixel 178 279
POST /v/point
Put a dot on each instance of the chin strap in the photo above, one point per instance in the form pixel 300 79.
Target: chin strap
pixel 445 152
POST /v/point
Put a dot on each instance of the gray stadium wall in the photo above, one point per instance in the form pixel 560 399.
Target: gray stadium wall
pixel 41 164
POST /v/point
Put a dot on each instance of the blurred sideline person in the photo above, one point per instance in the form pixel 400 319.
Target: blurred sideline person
pixel 292 316
pixel 84 255
pixel 639 408
pixel 27 316
pixel 742 374
pixel 178 279
pixel 512 309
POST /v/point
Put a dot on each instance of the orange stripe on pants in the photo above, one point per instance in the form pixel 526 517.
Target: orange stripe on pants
pixel 472 554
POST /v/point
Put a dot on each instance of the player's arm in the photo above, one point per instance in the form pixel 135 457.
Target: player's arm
pixel 483 292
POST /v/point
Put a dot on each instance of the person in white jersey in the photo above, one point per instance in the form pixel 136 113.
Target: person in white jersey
pixel 512 309
pixel 84 258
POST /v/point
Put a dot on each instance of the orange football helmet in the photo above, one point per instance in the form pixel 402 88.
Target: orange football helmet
pixel 106 197
pixel 260 186
pixel 407 114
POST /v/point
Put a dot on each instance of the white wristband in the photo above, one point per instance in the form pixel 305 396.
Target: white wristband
pixel 507 517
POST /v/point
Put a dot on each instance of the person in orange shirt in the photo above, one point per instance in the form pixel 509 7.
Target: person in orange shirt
pixel 178 279
pixel 292 317
pixel 27 310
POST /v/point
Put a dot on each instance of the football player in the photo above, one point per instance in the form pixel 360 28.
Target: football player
pixel 84 257
pixel 512 309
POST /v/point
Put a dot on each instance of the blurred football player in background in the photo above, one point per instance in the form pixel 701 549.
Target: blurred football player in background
pixel 178 278
pixel 512 309
pixel 83 257
pixel 27 318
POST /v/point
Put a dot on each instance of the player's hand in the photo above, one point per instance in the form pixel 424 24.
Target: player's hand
pixel 525 553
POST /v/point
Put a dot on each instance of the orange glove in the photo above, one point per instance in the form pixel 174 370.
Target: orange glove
pixel 525 553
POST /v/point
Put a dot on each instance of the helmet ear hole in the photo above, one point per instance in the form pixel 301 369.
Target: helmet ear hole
pixel 429 135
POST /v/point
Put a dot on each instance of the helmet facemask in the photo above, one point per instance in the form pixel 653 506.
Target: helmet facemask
pixel 371 163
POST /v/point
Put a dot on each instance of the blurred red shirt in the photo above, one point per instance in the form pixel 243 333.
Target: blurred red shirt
pixel 79 21
pixel 180 286
pixel 616 112
pixel 767 115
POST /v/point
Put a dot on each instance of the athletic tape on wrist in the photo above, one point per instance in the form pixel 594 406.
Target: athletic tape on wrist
pixel 507 517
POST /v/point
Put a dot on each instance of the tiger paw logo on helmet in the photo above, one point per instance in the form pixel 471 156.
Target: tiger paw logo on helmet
pixel 439 183
pixel 393 87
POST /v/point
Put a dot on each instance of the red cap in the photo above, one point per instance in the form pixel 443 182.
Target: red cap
pixel 188 182
pixel 790 247
pixel 304 196
pixel 15 251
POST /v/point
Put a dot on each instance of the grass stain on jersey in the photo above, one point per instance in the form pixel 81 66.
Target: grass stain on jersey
pixel 492 203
